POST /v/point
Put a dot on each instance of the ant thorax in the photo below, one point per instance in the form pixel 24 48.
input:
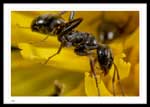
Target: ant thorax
pixel 75 38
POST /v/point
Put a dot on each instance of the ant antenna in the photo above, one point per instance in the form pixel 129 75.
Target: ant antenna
pixel 40 40
pixel 61 13
pixel 19 26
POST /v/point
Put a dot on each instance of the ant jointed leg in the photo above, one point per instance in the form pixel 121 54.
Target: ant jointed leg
pixel 92 64
pixel 113 81
pixel 72 14
pixel 59 50
pixel 118 78
pixel 61 13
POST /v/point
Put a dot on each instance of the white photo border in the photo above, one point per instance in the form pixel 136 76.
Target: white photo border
pixel 8 99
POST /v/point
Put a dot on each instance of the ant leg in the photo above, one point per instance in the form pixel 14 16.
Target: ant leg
pixel 71 17
pixel 54 54
pixel 81 51
pixel 92 63
pixel 118 77
pixel 61 13
pixel 72 14
pixel 40 40
pixel 23 27
pixel 113 81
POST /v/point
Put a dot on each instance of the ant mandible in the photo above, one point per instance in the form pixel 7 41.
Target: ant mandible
pixel 84 43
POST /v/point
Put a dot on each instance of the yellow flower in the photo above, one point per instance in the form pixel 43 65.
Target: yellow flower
pixel 31 78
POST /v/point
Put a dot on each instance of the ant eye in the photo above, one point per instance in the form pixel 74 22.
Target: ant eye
pixel 40 22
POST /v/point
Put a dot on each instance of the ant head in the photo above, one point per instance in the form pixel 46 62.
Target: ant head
pixel 105 57
pixel 46 23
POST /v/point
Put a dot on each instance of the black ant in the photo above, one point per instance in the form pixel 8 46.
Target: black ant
pixel 84 43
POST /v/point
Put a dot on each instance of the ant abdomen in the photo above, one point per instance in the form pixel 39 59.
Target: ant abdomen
pixel 46 24
pixel 105 58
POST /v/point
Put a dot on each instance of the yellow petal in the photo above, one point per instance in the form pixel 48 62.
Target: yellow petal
pixel 131 83
pixel 122 66
pixel 132 44
pixel 132 40
pixel 116 47
pixel 136 75
pixel 78 91
pixel 90 86
pixel 67 59
pixel 32 79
